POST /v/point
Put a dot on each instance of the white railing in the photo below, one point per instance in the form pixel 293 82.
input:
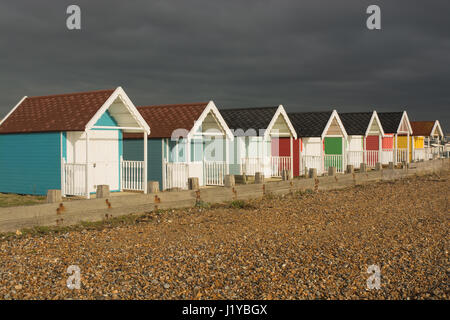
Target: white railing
pixel 214 172
pixel 334 160
pixel 132 175
pixel 310 162
pixel 278 164
pixel 419 154
pixel 75 179
pixel 176 175
pixel 371 157
pixel 250 166
pixel 355 158
pixel 401 155
pixel 387 156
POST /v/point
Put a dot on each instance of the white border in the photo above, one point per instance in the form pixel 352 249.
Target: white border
pixel 119 93
pixel 12 110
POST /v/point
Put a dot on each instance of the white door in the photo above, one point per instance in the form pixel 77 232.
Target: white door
pixel 103 156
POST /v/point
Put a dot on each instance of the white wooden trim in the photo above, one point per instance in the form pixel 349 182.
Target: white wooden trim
pixel 438 126
pixel 280 111
pixel 12 110
pixel 145 164
pixel 119 93
pixel 119 128
pixel 374 117
pixel 405 116
pixel 88 194
pixel 211 107
pixel 334 114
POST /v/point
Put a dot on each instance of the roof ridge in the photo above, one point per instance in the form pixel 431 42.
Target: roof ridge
pixel 173 105
pixel 305 112
pixel 248 108
pixel 70 94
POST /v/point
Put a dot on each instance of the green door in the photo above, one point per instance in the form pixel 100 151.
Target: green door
pixel 333 153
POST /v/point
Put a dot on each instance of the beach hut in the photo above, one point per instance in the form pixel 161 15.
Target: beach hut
pixel 322 141
pixel 426 139
pixel 71 142
pixel 396 142
pixel 257 132
pixel 187 140
pixel 365 135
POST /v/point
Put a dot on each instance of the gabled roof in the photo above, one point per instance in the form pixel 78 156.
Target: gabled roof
pixel 68 112
pixel 359 123
pixel 166 119
pixel 249 119
pixel 391 121
pixel 310 124
pixel 62 112
pixel 356 123
pixel 426 128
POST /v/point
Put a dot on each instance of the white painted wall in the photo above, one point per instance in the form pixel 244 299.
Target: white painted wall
pixel 355 143
pixel 312 146
pixel 103 156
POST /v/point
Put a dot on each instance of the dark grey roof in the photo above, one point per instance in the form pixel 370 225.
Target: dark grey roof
pixel 309 124
pixel 248 119
pixel 390 121
pixel 356 123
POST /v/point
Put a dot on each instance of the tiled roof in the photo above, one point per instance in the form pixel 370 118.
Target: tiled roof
pixel 309 124
pixel 422 128
pixel 390 121
pixel 64 112
pixel 164 119
pixel 356 123
pixel 249 118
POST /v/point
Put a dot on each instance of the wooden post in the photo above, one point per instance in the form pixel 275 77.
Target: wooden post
pixel 380 149
pixel 227 154
pixel 145 163
pixel 88 194
pixel 292 156
pixel 407 147
pixel 395 149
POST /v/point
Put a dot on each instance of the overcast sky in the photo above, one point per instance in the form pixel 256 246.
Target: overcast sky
pixel 307 55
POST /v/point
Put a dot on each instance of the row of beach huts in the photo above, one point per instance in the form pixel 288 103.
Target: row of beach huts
pixel 78 141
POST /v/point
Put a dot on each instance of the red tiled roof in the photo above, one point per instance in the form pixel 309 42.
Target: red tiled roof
pixel 164 119
pixel 422 128
pixel 64 112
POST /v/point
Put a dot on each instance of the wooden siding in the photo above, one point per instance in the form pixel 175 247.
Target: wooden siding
pixel 388 142
pixel 372 143
pixel 334 129
pixel 419 142
pixel 133 149
pixel 333 145
pixel 30 163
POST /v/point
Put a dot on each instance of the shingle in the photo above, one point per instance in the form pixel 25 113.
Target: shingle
pixel 248 119
pixel 390 121
pixel 165 119
pixel 356 123
pixel 309 124
pixel 64 112
pixel 422 128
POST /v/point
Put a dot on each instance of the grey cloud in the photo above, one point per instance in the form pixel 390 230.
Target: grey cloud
pixel 306 55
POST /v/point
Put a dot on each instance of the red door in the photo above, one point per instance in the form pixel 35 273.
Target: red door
pixel 372 146
pixel 281 147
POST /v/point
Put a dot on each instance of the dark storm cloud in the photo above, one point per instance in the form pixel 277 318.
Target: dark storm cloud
pixel 306 55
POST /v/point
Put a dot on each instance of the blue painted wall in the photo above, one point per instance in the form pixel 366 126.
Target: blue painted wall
pixel 30 163
pixel 133 149
pixel 106 120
